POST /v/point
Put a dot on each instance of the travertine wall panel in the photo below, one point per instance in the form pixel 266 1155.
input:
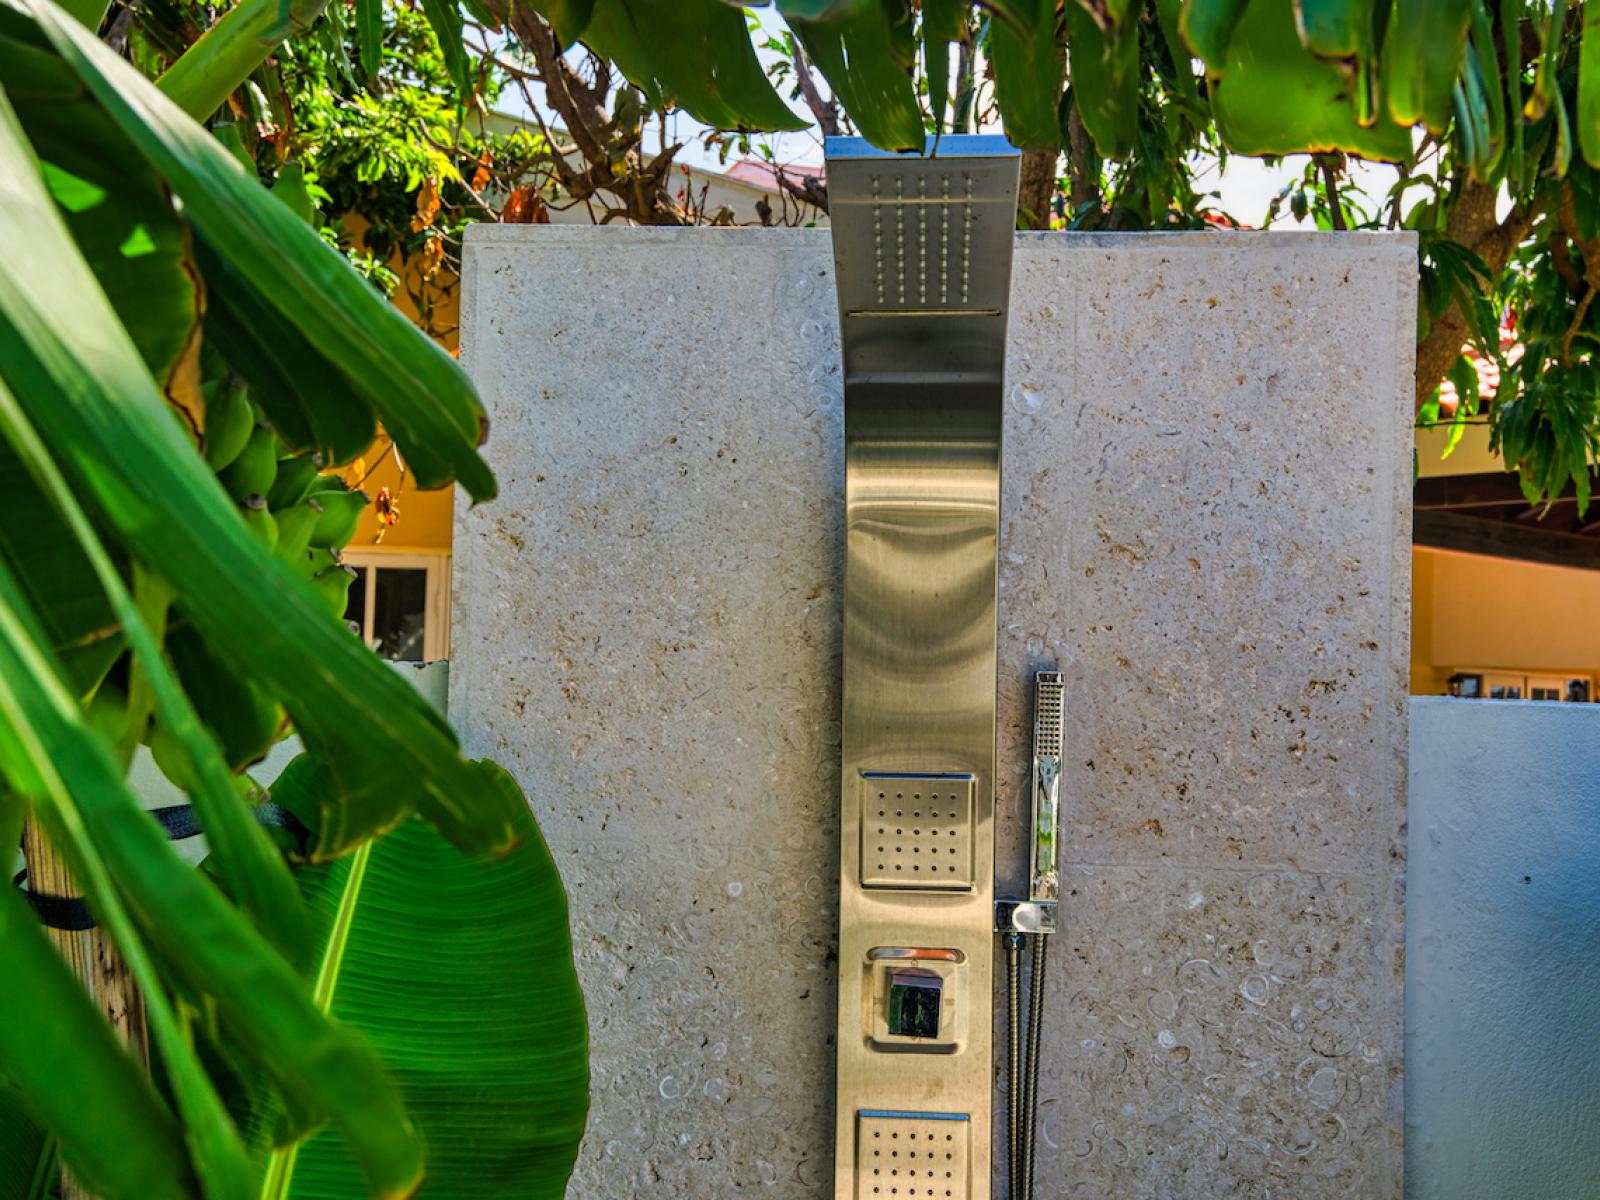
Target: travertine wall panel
pixel 1205 522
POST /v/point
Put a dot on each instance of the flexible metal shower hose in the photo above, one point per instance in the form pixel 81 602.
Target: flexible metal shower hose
pixel 1014 1046
pixel 1031 1085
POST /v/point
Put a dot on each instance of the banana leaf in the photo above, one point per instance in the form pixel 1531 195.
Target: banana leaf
pixel 52 757
pixel 248 863
pixel 28 1162
pixel 1273 96
pixel 56 578
pixel 121 216
pixel 118 1136
pixel 417 390
pixel 134 878
pixel 1422 47
pixel 461 976
pixel 1030 66
pixel 1589 86
pixel 858 54
pixel 119 445
pixel 699 52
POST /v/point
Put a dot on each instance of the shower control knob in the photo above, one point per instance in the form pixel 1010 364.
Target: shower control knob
pixel 916 1000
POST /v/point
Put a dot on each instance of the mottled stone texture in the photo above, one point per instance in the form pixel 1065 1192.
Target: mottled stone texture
pixel 1205 522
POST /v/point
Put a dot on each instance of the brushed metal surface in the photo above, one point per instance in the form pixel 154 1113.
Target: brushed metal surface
pixel 922 251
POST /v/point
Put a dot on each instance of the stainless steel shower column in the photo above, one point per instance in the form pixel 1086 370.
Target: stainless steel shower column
pixel 922 250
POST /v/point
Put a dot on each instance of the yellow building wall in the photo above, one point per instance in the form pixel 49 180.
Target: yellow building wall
pixel 1473 612
pixel 425 517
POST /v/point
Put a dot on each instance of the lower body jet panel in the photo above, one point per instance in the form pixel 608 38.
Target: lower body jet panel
pixel 913 1154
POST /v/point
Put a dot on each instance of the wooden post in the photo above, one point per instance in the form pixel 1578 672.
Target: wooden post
pixel 92 957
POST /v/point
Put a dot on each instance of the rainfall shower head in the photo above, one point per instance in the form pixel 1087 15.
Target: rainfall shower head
pixel 922 248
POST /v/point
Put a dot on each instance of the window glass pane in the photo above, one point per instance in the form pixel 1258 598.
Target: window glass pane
pixel 355 609
pixel 400 604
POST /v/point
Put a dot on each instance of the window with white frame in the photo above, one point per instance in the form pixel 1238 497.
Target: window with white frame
pixel 399 603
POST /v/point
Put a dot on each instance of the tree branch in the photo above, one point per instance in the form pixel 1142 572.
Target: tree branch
pixel 1083 178
pixel 1472 224
pixel 1330 181
pixel 825 112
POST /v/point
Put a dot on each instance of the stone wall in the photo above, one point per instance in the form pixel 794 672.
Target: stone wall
pixel 1206 523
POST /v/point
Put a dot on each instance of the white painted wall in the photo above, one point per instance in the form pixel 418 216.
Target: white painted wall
pixel 1503 952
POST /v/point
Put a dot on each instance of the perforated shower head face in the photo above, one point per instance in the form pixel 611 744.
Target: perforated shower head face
pixel 922 244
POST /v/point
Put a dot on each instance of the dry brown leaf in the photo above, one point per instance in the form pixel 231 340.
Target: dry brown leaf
pixel 427 206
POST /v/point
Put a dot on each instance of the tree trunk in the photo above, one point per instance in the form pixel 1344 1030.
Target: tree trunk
pixel 1471 223
pixel 1083 177
pixel 1037 189
pixel 92 958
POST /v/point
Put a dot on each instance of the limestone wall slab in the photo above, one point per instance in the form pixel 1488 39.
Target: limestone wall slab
pixel 1205 522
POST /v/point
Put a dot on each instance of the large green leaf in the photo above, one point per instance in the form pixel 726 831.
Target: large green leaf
pixel 570 17
pixel 461 976
pixel 55 1047
pixel 609 31
pixel 1105 81
pixel 28 1158
pixel 53 758
pixel 1273 96
pixel 28 1161
pixel 231 49
pixel 247 860
pixel 1422 47
pixel 699 52
pixel 56 577
pixel 130 870
pixel 858 55
pixel 1589 86
pixel 1029 66
pixel 312 404
pixel 80 380
pixel 1208 27
pixel 424 400
pixel 121 217
pixel 1343 32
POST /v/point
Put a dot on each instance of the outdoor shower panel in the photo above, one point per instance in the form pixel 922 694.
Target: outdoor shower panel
pixel 922 253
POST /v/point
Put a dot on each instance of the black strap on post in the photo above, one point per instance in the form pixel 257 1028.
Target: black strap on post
pixel 178 822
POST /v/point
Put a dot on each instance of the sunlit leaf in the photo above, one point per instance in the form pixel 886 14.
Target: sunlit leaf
pixel 1422 47
pixel 460 976
pixel 1273 96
